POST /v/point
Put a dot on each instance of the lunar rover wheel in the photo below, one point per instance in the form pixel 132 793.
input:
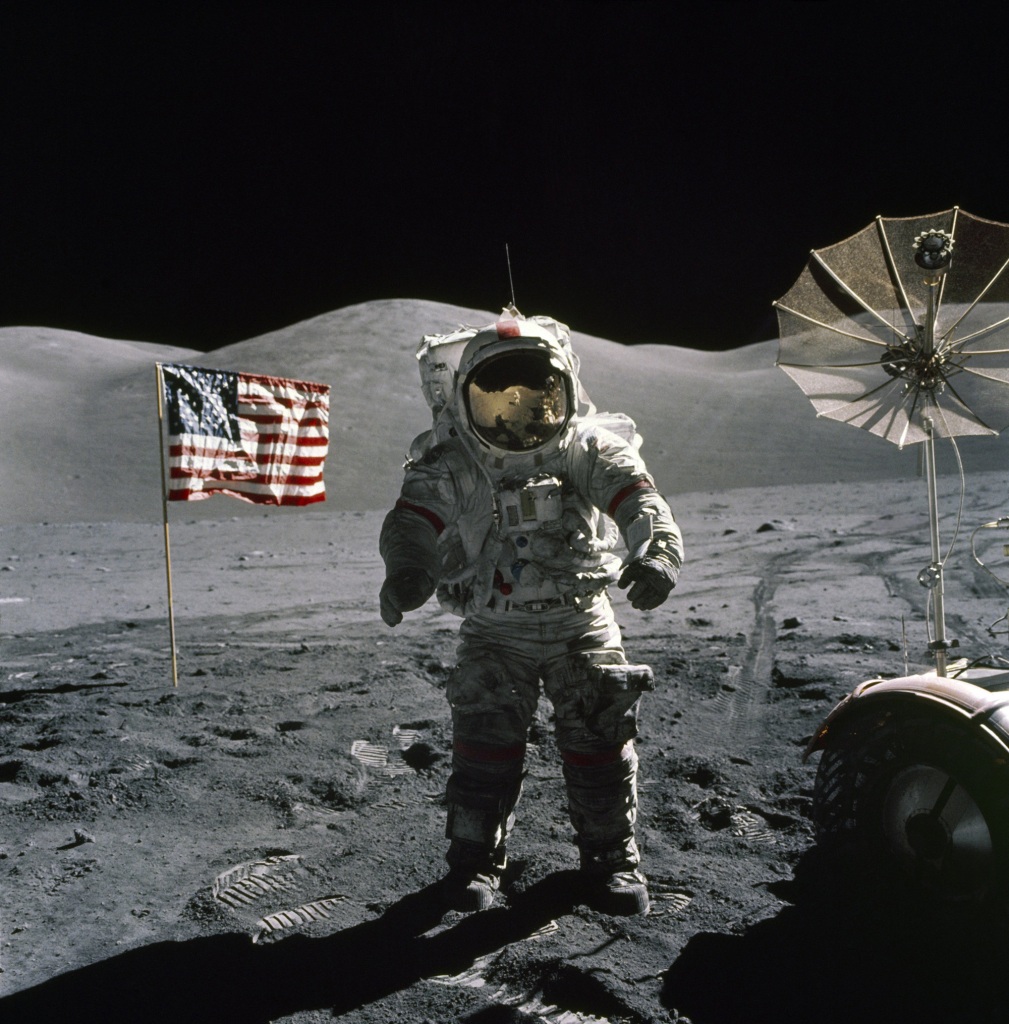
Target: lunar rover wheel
pixel 919 792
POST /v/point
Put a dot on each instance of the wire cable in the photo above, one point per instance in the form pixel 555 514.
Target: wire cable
pixel 963 490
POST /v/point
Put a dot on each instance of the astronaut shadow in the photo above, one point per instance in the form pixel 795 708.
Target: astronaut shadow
pixel 852 946
pixel 228 978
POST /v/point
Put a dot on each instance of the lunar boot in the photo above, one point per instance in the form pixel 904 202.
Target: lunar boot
pixel 481 797
pixel 602 801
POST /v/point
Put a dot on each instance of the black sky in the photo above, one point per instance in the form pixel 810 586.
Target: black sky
pixel 658 172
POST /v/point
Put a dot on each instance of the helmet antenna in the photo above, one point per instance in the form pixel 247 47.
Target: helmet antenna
pixel 511 283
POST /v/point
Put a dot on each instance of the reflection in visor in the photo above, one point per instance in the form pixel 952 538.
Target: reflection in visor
pixel 517 401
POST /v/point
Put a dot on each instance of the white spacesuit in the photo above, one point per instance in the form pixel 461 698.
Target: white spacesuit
pixel 508 509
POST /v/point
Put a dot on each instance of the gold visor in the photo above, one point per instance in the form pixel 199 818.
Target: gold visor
pixel 517 401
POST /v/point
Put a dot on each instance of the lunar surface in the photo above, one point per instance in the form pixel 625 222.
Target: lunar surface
pixel 263 841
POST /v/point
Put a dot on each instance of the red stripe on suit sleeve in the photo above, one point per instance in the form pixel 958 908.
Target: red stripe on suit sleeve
pixel 424 513
pixel 638 485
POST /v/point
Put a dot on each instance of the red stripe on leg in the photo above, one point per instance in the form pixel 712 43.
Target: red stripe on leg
pixel 583 759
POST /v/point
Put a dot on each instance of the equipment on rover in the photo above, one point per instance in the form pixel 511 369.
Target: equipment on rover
pixel 903 330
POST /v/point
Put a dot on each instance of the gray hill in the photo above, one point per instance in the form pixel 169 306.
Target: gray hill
pixel 78 414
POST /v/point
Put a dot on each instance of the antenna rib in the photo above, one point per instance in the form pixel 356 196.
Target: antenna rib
pixel 851 293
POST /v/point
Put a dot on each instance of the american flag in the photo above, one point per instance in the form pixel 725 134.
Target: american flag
pixel 261 439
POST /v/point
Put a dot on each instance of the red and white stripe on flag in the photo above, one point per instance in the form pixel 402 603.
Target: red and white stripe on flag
pixel 257 438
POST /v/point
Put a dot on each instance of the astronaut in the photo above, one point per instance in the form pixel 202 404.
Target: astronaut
pixel 510 509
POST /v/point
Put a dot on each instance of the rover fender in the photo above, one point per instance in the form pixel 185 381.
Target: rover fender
pixel 967 697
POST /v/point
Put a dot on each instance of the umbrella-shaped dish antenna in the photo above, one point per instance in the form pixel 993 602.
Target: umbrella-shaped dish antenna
pixel 905 321
pixel 903 330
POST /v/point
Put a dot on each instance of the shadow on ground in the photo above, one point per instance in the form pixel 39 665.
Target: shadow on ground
pixel 850 948
pixel 227 978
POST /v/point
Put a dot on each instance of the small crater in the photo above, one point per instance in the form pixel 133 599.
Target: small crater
pixel 716 813
pixel 339 793
pixel 180 762
pixel 44 744
pixel 704 776
pixel 418 726
pixel 342 685
pixel 793 672
pixel 856 640
pixel 290 726
pixel 816 693
pixel 696 770
pixel 235 734
pixel 421 756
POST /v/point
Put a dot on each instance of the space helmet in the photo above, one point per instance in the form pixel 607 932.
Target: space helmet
pixel 517 385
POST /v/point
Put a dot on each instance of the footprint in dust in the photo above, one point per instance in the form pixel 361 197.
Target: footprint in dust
pixel 750 825
pixel 273 895
pixel 409 752
pixel 667 897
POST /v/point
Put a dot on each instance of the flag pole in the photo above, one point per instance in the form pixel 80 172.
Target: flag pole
pixel 164 514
